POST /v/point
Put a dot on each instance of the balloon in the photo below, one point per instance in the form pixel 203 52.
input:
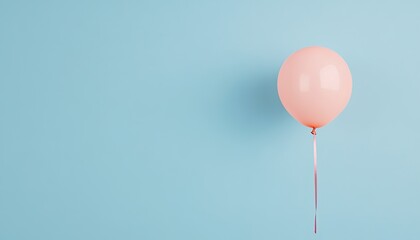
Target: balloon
pixel 314 85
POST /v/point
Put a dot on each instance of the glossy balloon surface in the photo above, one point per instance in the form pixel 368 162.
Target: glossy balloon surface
pixel 314 85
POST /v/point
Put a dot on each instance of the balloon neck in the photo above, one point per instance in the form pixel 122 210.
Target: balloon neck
pixel 313 131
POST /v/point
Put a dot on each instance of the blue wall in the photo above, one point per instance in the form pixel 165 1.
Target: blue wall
pixel 161 120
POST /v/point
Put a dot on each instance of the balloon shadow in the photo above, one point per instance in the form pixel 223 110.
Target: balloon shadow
pixel 254 107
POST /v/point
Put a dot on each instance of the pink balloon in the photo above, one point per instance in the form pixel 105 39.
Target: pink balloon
pixel 314 85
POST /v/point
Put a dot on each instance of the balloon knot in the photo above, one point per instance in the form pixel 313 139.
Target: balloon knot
pixel 313 131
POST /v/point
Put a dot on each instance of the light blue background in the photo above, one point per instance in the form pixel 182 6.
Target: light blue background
pixel 161 120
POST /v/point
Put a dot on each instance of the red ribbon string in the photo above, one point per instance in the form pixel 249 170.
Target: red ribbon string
pixel 315 177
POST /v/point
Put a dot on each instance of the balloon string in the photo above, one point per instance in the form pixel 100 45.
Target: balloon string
pixel 315 178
